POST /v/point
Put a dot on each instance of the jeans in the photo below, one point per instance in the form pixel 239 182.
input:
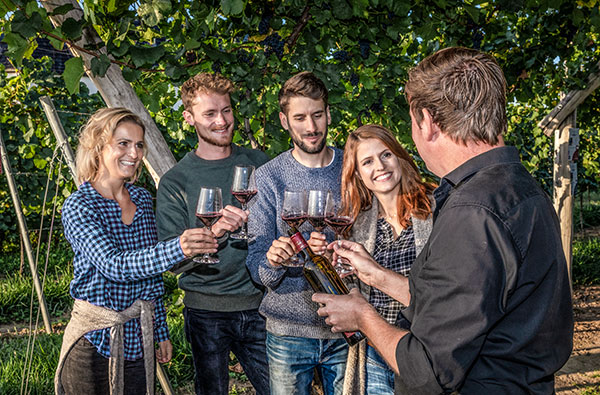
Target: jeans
pixel 86 372
pixel 213 335
pixel 380 378
pixel 292 361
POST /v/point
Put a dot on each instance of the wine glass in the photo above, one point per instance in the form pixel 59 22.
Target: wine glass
pixel 339 224
pixel 243 188
pixel 209 210
pixel 294 214
pixel 317 199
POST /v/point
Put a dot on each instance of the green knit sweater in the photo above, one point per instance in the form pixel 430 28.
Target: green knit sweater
pixel 225 286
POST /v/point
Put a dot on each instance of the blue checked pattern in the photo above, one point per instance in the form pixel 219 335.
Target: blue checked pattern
pixel 396 254
pixel 116 264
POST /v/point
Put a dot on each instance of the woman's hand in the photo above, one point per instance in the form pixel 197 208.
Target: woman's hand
pixel 280 251
pixel 164 352
pixel 197 241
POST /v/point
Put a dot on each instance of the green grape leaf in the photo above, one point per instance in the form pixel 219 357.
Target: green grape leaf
pixel 72 74
pixel 232 7
pixel 72 28
pixel 146 55
pixel 100 65
pixel 63 9
pixel 26 27
pixel 17 47
pixel 153 11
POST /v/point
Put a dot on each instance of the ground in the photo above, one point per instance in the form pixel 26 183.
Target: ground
pixel 583 368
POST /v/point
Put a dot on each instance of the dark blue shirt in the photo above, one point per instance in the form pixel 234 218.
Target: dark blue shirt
pixel 490 308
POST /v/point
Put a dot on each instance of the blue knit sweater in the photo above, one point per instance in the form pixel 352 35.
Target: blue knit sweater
pixel 287 305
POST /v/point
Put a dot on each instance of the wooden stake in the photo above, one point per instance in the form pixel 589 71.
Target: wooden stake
pixel 24 235
pixel 563 198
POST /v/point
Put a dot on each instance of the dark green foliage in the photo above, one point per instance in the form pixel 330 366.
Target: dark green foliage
pixel 31 144
pixel 586 261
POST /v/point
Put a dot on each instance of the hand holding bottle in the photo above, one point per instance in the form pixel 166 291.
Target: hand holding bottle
pixel 343 312
pixel 281 252
pixel 318 243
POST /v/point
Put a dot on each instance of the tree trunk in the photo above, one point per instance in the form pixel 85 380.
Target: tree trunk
pixel 116 91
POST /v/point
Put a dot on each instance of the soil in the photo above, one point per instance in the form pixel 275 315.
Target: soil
pixel 582 370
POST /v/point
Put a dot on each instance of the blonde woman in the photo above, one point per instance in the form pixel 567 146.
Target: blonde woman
pixel 383 193
pixel 118 262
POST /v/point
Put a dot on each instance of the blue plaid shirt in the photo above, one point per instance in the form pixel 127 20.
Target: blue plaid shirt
pixel 116 264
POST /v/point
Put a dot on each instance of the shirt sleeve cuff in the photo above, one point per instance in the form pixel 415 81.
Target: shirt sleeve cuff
pixel 176 248
pixel 161 333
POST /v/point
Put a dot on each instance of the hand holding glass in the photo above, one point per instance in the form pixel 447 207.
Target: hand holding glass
pixel 209 210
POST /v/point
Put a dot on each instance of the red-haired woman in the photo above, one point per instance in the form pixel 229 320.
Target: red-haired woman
pixel 383 192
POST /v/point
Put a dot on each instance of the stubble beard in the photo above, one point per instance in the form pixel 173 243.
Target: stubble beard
pixel 307 149
pixel 212 141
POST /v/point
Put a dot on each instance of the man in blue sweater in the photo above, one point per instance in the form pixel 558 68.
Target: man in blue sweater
pixel 298 340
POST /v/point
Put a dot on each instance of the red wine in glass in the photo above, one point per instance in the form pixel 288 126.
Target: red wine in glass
pixel 209 219
pixel 243 188
pixel 294 220
pixel 339 224
pixel 209 210
pixel 244 196
pixel 318 222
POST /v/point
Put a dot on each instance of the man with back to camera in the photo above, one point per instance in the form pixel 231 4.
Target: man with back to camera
pixel 489 303
pixel 221 301
pixel 298 340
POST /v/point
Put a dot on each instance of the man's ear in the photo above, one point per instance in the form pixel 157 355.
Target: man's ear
pixel 328 116
pixel 429 128
pixel 189 117
pixel 284 121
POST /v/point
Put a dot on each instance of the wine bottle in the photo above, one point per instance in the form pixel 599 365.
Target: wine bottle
pixel 321 276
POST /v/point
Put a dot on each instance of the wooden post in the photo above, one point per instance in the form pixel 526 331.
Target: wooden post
pixel 61 139
pixel 59 133
pixel 25 235
pixel 563 197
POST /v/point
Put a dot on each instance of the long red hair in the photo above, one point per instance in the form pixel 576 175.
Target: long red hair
pixel 413 194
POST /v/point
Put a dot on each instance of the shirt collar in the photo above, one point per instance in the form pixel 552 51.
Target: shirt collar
pixel 495 156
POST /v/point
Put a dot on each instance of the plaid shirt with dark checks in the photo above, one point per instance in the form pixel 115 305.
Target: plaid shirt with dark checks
pixel 396 254
pixel 116 264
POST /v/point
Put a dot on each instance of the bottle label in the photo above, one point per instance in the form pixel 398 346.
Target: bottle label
pixel 299 241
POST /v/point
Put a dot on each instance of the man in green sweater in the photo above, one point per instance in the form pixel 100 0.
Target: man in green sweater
pixel 221 301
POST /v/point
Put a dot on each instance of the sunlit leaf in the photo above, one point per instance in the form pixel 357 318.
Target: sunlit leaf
pixel 73 73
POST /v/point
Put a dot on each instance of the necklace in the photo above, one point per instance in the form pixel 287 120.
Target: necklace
pixel 388 217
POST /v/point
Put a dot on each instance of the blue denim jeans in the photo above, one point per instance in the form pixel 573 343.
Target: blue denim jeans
pixel 292 361
pixel 380 378
pixel 213 335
